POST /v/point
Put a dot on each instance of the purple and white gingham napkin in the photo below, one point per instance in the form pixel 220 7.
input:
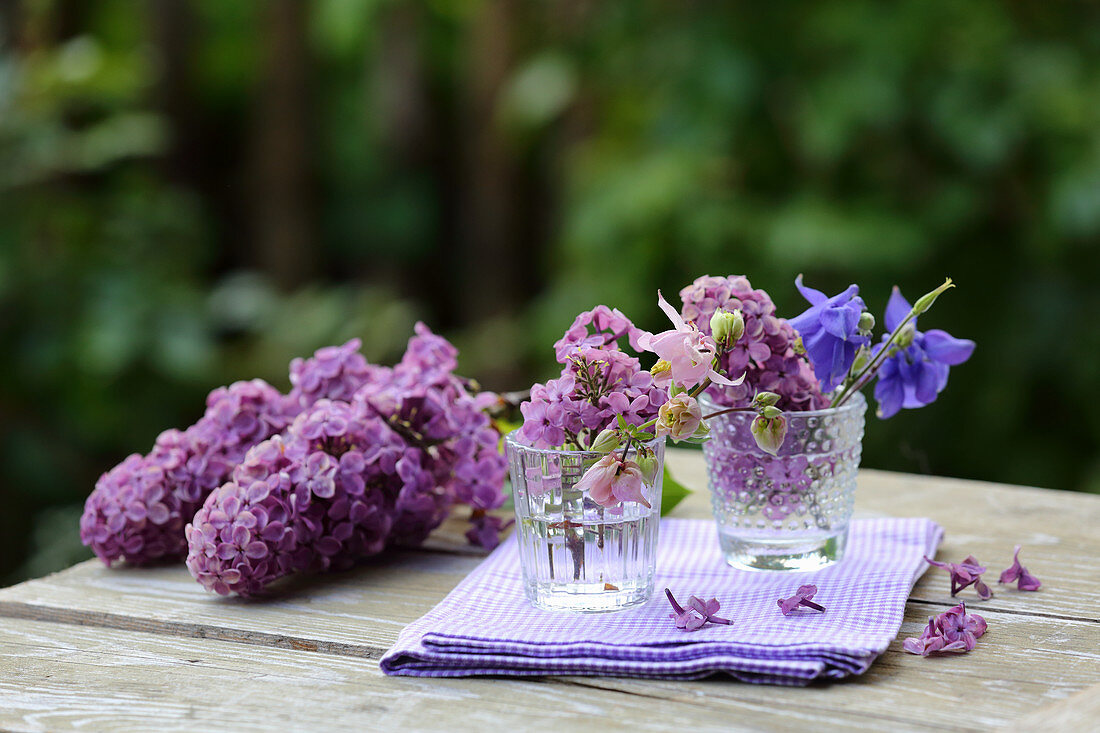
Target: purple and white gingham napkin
pixel 486 626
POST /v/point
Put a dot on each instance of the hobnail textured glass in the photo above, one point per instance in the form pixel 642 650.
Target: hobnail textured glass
pixel 790 511
pixel 577 555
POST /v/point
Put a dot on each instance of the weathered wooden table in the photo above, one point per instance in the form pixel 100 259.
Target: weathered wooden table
pixel 147 649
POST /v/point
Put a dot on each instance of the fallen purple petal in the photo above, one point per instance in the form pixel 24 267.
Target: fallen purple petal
pixel 696 614
pixel 1017 572
pixel 952 632
pixel 965 574
pixel 801 598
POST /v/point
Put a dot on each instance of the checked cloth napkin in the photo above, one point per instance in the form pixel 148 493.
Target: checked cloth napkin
pixel 486 626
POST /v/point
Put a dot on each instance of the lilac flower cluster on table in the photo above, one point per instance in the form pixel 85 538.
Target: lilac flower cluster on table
pixel 356 458
pixel 953 631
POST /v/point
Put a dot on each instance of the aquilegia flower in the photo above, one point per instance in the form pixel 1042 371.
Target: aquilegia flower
pixel 830 331
pixel 612 481
pixel 1016 571
pixel 916 374
pixel 688 351
pixel 964 574
pixel 801 597
pixel 679 418
pixel 953 631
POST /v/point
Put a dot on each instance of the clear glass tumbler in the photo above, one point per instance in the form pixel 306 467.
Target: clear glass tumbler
pixel 790 511
pixel 578 555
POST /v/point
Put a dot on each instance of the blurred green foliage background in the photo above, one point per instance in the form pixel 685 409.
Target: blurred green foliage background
pixel 193 192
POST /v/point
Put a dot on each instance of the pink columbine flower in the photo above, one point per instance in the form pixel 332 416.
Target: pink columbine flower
pixel 688 351
pixel 953 631
pixel 1018 572
pixel 964 574
pixel 697 613
pixel 679 418
pixel 801 598
pixel 611 481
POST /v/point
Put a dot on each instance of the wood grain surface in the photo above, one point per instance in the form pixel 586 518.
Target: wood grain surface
pixel 138 649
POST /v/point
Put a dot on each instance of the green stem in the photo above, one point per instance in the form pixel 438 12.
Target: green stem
pixel 731 409
pixel 874 364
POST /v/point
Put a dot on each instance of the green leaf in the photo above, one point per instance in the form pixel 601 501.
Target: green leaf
pixel 622 422
pixel 672 492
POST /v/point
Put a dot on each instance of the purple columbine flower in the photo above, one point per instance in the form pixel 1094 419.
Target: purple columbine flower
pixel 801 598
pixel 916 374
pixel 830 331
pixel 953 631
pixel 1016 571
pixel 964 574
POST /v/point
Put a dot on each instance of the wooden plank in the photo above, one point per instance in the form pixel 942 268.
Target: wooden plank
pixel 1079 712
pixel 60 677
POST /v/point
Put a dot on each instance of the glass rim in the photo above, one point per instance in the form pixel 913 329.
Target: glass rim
pixel 857 400
pixel 510 440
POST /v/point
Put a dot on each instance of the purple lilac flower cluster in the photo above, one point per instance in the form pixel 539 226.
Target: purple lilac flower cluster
pixel 352 478
pixel 332 373
pixel 765 352
pixel 599 382
pixel 953 631
pixel 138 509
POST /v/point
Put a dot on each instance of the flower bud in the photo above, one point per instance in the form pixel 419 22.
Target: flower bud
pixel 769 433
pixel 863 356
pixel 727 326
pixel 866 321
pixel 763 399
pixel 770 411
pixel 925 301
pixel 607 441
pixel 905 337
pixel 798 347
pixel 647 463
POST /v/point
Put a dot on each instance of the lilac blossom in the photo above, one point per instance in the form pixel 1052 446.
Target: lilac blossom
pixel 953 631
pixel 349 479
pixel 138 509
pixel 764 353
pixel 601 327
pixel 916 374
pixel 333 372
pixel 708 609
pixel 964 574
pixel 599 383
pixel 801 598
pixel 697 613
pixel 485 529
pixel 830 332
pixel 1017 572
